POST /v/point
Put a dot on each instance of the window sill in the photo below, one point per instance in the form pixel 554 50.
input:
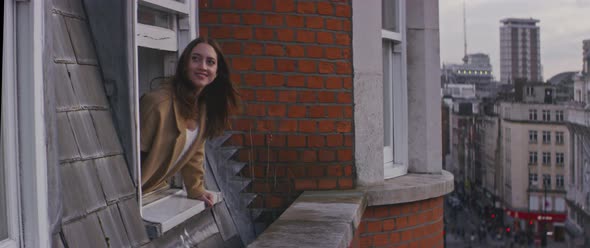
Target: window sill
pixel 408 188
pixel 161 215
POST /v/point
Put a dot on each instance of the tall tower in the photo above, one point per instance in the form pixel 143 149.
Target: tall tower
pixel 520 50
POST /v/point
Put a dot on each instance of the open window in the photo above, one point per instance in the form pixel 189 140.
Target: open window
pixel 162 29
pixel 395 103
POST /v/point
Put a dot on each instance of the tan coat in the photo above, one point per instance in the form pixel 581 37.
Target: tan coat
pixel 163 135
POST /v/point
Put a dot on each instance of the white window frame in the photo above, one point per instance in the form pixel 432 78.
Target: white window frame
pixel 533 137
pixel 559 159
pixel 559 181
pixel 546 180
pixel 165 209
pixel 533 158
pixel 559 138
pixel 546 115
pixel 185 15
pixel 395 98
pixel 559 115
pixel 183 7
pixel 546 158
pixel 9 126
pixel 532 114
pixel 546 137
pixel 533 179
pixel 23 77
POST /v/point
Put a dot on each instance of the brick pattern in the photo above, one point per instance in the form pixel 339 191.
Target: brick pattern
pixel 292 61
pixel 414 224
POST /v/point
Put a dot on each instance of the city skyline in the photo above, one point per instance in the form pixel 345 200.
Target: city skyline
pixel 561 24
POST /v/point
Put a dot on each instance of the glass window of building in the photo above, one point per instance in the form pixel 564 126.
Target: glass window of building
pixel 546 115
pixel 547 180
pixel 532 179
pixel 395 91
pixel 559 138
pixel 532 137
pixel 559 158
pixel 546 137
pixel 559 181
pixel 532 158
pixel 532 114
pixel 546 158
pixel 559 115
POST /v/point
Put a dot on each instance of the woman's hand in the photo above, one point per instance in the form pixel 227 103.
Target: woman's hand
pixel 207 197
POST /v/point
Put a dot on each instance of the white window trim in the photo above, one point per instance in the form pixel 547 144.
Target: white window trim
pixel 173 209
pixel 169 5
pixel 397 165
pixel 180 35
pixel 156 37
pixel 9 126
pixel 30 105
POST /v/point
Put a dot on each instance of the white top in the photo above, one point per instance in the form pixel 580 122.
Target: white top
pixel 191 136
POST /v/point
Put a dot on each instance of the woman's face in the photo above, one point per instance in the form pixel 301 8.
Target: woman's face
pixel 202 65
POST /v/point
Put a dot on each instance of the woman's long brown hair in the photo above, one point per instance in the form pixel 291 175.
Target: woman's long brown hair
pixel 220 96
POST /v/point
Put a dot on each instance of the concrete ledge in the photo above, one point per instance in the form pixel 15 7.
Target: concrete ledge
pixel 330 218
pixel 316 219
pixel 409 188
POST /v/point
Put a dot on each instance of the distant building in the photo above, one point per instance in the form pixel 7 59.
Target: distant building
pixel 520 50
pixel 464 91
pixel 477 69
pixel 578 190
pixel 564 83
pixel 509 155
pixel 534 152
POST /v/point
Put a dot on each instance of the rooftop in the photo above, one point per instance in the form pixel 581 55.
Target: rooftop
pixel 530 21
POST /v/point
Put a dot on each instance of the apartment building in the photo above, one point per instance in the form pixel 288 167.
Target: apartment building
pixel 578 188
pixel 520 50
pixel 534 153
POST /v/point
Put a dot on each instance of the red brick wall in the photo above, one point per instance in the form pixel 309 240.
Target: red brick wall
pixel 292 61
pixel 414 224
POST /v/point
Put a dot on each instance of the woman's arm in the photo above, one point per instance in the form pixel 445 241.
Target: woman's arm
pixel 193 175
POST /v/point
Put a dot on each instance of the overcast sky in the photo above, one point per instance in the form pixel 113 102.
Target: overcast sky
pixel 564 24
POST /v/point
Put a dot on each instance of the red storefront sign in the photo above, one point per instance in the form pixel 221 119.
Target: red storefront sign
pixel 548 217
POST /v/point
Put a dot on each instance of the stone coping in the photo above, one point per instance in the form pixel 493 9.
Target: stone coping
pixel 409 188
pixel 316 219
pixel 171 210
pixel 330 218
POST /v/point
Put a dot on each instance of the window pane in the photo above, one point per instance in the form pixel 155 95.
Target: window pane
pixel 390 15
pixel 387 97
pixel 149 16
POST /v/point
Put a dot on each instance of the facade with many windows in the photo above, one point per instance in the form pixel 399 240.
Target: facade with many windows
pixel 537 149
pixel 520 50
pixel 578 179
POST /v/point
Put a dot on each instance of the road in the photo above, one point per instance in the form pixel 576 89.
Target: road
pixel 462 222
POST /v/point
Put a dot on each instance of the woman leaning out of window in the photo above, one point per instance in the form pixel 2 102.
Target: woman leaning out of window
pixel 177 118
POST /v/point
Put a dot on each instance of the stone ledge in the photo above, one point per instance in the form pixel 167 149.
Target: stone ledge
pixel 316 219
pixel 409 188
pixel 330 218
